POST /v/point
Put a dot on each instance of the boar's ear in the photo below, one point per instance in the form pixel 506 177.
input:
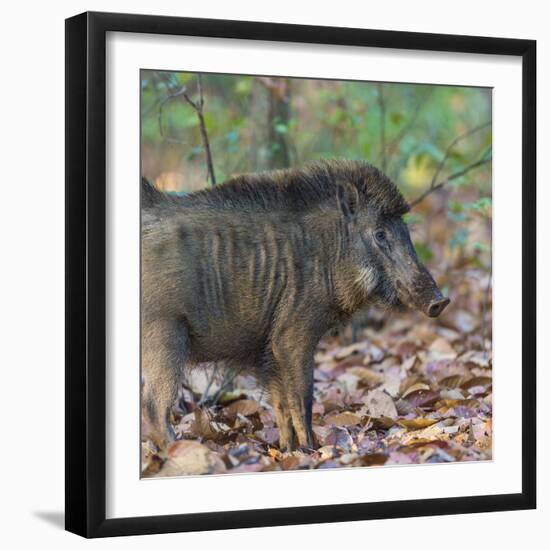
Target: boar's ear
pixel 348 200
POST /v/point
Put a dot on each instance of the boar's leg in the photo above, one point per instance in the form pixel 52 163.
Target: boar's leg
pixel 282 416
pixel 293 355
pixel 164 351
pixel 300 403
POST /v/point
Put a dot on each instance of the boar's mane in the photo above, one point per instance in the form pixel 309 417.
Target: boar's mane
pixel 300 189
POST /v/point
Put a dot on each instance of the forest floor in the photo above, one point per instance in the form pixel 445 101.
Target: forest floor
pixel 411 390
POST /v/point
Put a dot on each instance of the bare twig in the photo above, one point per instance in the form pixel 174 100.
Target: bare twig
pixel 452 177
pixel 434 184
pixel 204 397
pixel 455 141
pixel 204 133
pixel 198 107
pixel 228 375
pixel 227 380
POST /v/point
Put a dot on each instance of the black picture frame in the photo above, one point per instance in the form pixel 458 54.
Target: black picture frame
pixel 86 273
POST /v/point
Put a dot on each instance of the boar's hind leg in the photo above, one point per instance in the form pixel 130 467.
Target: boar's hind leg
pixel 163 353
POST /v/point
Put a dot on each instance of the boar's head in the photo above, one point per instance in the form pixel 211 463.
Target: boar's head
pixel 379 246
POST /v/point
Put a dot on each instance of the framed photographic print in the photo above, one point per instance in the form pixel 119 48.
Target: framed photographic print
pixel 300 274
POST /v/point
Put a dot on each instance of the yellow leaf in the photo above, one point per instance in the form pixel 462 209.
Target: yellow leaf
pixel 416 423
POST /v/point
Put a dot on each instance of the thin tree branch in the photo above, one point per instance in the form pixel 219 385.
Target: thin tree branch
pixel 455 141
pixel 456 175
pixel 206 393
pixel 204 133
pixel 434 186
pixel 198 107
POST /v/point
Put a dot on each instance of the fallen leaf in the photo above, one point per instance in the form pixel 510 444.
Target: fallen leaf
pixel 268 435
pixel 409 363
pixel 479 358
pixel 375 459
pixel 416 387
pixel 345 418
pixel 367 375
pixel 392 377
pixel 326 452
pixel 464 322
pixel 376 354
pixel 349 350
pixel 382 423
pixel 407 349
pixel 246 407
pixel 348 458
pixel 452 394
pixel 452 382
pixel 274 453
pixel 483 429
pixel 380 404
pixel 318 408
pixel 425 435
pixel 416 423
pixel 404 407
pixel 422 398
pixel 399 458
pixel 203 426
pixel 191 458
pixel 441 349
pixel 483 381
pixel 339 437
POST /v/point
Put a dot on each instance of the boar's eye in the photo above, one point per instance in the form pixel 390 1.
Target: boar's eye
pixel 380 236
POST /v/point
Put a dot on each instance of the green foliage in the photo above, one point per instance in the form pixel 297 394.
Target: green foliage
pixel 423 251
pixel 483 206
pixel 281 128
pixel 459 238
pixel 482 247
pixel 413 218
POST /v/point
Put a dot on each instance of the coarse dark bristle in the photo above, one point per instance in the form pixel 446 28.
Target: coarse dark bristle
pixel 296 189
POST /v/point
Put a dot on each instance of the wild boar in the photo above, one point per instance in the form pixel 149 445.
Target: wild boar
pixel 254 271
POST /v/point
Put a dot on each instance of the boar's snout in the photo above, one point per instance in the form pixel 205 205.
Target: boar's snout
pixel 437 306
pixel 425 294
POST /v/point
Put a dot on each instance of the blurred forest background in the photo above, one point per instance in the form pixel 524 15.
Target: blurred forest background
pixel 401 390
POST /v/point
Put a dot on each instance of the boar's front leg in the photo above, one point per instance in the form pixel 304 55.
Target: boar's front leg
pixel 163 354
pixel 293 353
pixel 300 403
pixel 282 416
